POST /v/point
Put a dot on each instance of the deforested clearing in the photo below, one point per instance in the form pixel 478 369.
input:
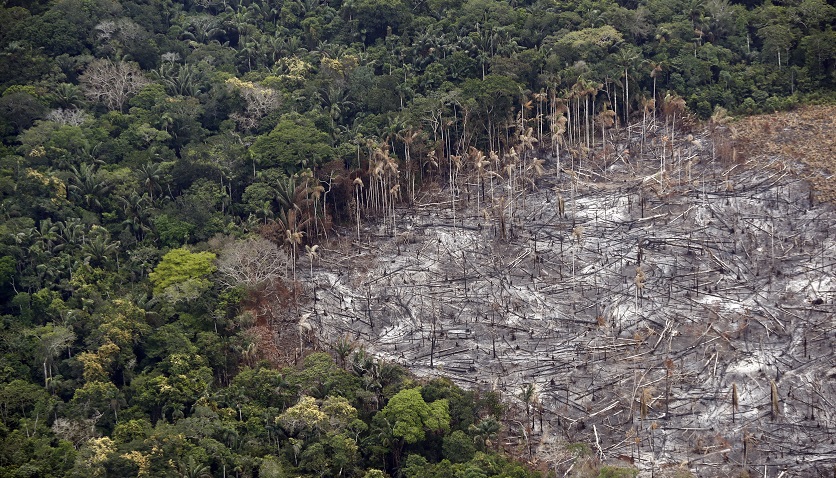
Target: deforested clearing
pixel 671 307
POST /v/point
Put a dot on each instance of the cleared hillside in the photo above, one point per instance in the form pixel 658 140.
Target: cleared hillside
pixel 681 318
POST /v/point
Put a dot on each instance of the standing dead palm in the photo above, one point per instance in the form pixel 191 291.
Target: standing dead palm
pixel 408 137
pixel 479 163
pixel 312 252
pixel 358 187
pixel 293 233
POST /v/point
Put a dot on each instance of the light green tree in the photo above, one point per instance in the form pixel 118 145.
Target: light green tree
pixel 182 274
pixel 410 417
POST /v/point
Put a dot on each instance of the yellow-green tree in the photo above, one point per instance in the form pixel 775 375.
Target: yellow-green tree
pixel 410 417
pixel 182 274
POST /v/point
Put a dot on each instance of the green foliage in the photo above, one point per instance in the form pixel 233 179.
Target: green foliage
pixel 39 455
pixel 294 144
pixel 18 111
pixel 462 404
pixel 480 465
pixel 410 417
pixel 588 44
pixel 579 449
pixel 304 418
pixel 374 473
pixel 271 468
pixel 20 400
pixel 171 231
pixel 7 270
pixel 607 471
pixel 377 18
pixel 321 377
pixel 130 430
pixel 458 447
pixel 263 386
pixel 176 386
pixel 183 269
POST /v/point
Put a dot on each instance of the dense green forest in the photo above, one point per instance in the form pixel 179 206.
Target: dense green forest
pixel 150 147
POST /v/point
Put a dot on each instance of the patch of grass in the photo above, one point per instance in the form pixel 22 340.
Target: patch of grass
pixel 617 472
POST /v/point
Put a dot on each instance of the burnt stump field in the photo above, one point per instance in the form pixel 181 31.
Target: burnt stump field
pixel 673 311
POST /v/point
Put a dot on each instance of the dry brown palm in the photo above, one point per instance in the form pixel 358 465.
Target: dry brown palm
pixel 313 253
pixel 358 187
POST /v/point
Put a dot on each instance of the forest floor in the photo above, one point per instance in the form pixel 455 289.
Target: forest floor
pixel 682 319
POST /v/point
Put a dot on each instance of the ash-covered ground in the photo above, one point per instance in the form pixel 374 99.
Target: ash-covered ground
pixel 683 319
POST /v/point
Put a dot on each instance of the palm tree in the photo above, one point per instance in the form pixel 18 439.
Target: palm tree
pixel 46 235
pixel 343 348
pixel 201 28
pixel 656 68
pixel 536 167
pixel 648 106
pixel 303 327
pixel 137 218
pixel 529 396
pixel 312 254
pixel 577 92
pixel 88 185
pixel 584 90
pixel 358 187
pixel 498 212
pixel 392 176
pixel 335 101
pixel 116 401
pixel 479 164
pixel 513 159
pixel 558 129
pixel 645 399
pixel 408 136
pixel 150 175
pixel 185 83
pixel 286 190
pixel 374 197
pixel 672 105
pixel 293 236
pixel 527 142
pixel 484 431
pixel 592 89
pixel 67 96
pixel 98 250
pixel 455 166
pixel 540 97
pixel 193 469
pixel 639 281
pixel 249 352
pixel 626 58
pixel 70 233
pixel 395 193
pixel 249 52
pixel 606 118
